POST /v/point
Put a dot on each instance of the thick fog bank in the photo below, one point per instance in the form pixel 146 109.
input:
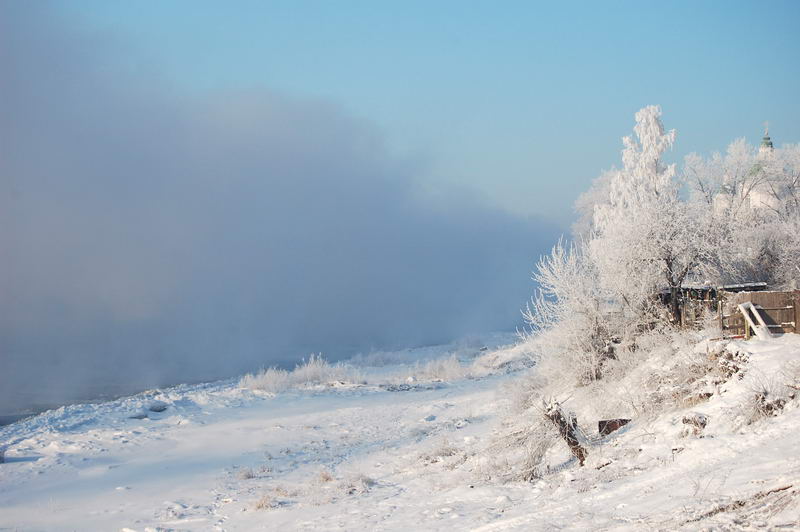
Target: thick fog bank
pixel 152 237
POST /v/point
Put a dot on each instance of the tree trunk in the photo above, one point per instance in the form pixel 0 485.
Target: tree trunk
pixel 568 430
pixel 675 306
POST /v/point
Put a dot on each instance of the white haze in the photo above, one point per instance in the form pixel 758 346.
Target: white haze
pixel 149 236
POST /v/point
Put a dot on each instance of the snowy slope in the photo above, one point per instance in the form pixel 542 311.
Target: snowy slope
pixel 362 457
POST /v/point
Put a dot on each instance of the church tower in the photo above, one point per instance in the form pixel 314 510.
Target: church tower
pixel 766 148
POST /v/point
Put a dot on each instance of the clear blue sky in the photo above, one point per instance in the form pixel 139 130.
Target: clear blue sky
pixel 523 102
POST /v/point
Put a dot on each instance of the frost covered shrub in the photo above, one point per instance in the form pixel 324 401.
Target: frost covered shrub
pixel 316 370
pixel 505 360
pixel 326 489
pixel 325 476
pixel 271 380
pixel 440 369
pixel 568 318
pixel 356 484
pixel 523 450
pixel 534 464
pixel 443 450
pixel 246 474
pixel 267 502
pixel 767 398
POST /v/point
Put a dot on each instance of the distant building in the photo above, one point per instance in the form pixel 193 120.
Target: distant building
pixel 766 149
pixel 753 191
pixel 762 195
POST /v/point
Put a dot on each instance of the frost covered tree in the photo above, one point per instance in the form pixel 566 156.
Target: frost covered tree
pixel 725 184
pixel 569 309
pixel 639 234
pixel 601 288
pixel 751 199
pixel 646 237
pixel 584 207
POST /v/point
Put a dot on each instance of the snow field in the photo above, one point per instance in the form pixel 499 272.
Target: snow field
pixel 220 456
pixel 432 456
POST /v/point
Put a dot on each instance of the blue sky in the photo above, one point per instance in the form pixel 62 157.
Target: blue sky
pixel 191 189
pixel 522 102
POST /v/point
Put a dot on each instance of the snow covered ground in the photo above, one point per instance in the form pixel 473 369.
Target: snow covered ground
pixel 401 452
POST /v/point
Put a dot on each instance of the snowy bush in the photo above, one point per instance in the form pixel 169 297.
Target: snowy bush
pixel 440 369
pixel 443 450
pixel 768 396
pixel 271 380
pixel 267 502
pixel 356 484
pixel 247 474
pixel 316 370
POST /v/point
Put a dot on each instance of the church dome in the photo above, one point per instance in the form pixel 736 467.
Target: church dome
pixel 766 147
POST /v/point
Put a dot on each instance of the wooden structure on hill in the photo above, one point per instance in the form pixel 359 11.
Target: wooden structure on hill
pixel 698 302
pixel 775 311
pixel 779 312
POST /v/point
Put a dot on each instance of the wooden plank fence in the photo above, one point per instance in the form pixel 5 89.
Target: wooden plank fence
pixel 780 311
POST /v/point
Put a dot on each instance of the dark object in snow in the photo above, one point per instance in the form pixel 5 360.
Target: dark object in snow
pixel 568 429
pixel 412 387
pixel 695 423
pixel 398 387
pixel 2 455
pixel 607 426
pixel 698 420
pixel 484 348
pixel 767 406
pixel 139 415
pixel 158 406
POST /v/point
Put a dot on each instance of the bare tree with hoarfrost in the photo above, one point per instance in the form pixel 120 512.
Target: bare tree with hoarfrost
pixel 725 184
pixel 751 200
pixel 584 207
pixel 781 188
pixel 646 237
pixel 721 194
pixel 569 309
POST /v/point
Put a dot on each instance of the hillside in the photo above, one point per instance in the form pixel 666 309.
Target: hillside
pixel 396 452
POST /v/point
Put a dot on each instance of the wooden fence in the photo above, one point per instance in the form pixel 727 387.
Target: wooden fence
pixel 780 311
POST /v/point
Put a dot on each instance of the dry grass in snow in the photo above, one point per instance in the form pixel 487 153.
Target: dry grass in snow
pixel 315 371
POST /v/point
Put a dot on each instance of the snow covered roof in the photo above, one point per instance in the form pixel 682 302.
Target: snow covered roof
pixel 739 287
